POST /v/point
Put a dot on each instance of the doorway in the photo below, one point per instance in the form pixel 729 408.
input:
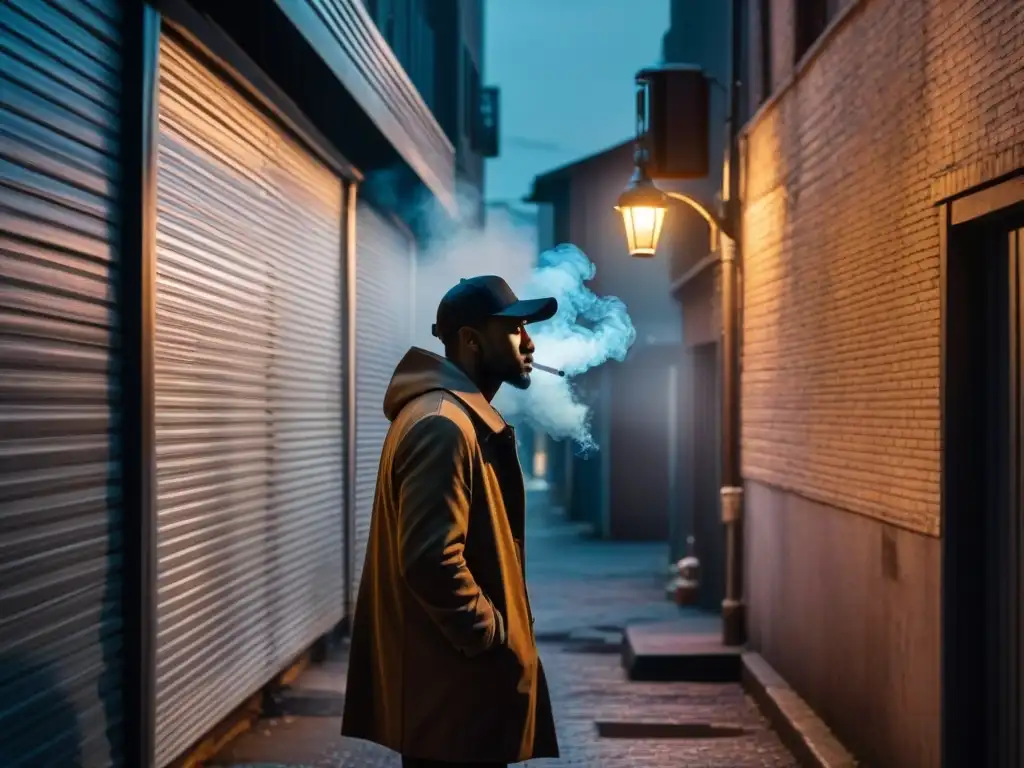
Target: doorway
pixel 983 524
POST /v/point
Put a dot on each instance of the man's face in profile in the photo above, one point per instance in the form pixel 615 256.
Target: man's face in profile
pixel 507 351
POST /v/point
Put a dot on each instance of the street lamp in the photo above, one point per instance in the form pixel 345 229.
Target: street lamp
pixel 643 207
pixel 672 142
pixel 642 204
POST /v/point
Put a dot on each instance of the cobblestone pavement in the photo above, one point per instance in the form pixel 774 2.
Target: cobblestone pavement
pixel 583 592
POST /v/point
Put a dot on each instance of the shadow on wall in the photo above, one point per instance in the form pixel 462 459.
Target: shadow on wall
pixel 40 725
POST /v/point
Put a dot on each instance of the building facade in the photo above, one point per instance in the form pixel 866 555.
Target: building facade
pixel 699 34
pixel 203 301
pixel 882 206
pixel 441 47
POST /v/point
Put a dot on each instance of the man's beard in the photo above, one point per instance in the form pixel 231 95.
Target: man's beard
pixel 514 376
pixel 521 380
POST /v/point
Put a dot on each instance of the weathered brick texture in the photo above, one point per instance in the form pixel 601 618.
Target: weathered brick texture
pixel 904 103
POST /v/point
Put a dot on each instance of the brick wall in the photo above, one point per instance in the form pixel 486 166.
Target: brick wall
pixel 903 102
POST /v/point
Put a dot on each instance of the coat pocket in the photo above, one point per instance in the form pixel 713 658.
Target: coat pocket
pixel 521 664
pixel 521 558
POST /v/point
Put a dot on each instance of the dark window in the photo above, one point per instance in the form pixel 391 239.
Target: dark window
pixel 427 65
pixel 467 109
pixel 474 105
pixel 812 18
pixel 764 23
pixel 486 136
pixel 401 15
pixel 384 16
pixel 424 55
pixel 470 95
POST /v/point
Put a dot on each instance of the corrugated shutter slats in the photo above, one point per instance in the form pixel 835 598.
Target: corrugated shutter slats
pixel 384 264
pixel 249 421
pixel 60 545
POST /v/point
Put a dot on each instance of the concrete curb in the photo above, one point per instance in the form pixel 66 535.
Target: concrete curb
pixel 801 730
pixel 650 654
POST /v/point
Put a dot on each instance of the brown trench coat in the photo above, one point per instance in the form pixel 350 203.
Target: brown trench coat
pixel 443 663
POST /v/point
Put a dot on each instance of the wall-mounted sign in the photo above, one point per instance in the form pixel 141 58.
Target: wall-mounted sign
pixel 488 117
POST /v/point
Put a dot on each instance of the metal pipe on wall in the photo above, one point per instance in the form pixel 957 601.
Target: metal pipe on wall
pixel 349 389
pixel 672 451
pixel 733 608
pixel 136 307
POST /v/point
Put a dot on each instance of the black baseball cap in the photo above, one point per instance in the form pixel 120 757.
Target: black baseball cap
pixel 475 299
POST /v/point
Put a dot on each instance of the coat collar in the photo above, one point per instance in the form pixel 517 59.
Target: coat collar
pixel 477 403
pixel 421 371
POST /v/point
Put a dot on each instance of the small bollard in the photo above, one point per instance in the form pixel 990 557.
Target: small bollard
pixel 686 586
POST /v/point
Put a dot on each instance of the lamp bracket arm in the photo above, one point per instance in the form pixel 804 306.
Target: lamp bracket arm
pixel 717 222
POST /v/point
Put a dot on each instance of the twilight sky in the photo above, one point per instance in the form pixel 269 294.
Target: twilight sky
pixel 565 69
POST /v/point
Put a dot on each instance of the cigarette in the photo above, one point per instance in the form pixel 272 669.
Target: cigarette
pixel 548 369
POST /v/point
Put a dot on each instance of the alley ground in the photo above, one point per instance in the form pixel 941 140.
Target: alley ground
pixel 583 592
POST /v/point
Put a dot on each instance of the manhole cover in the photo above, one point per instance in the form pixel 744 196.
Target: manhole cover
pixel 626 730
pixel 305 703
pixel 552 637
pixel 586 640
pixel 594 648
pixel 597 635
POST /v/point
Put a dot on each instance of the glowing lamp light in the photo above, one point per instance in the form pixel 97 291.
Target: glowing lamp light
pixel 643 228
pixel 643 207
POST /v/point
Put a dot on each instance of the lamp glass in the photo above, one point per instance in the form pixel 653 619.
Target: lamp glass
pixel 643 228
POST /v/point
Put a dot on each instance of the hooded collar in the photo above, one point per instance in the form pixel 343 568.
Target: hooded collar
pixel 421 371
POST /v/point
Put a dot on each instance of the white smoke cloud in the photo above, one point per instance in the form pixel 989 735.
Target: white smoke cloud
pixel 587 331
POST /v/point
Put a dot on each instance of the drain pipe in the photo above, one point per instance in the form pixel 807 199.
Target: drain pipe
pixel 734 630
pixel 348 373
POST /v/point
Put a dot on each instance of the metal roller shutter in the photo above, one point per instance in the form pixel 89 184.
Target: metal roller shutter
pixel 60 579
pixel 248 400
pixel 385 264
